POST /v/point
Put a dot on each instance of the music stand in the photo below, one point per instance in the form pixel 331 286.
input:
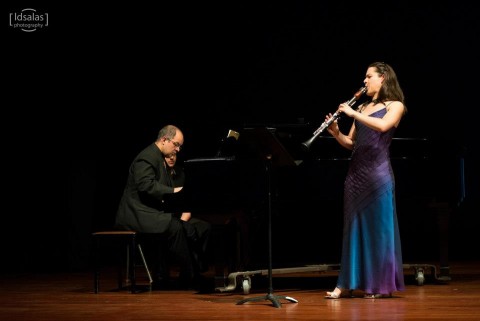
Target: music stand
pixel 261 144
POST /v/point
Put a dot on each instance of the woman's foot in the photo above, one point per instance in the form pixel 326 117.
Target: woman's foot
pixel 338 293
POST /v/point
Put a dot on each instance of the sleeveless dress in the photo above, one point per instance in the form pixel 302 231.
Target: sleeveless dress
pixel 371 250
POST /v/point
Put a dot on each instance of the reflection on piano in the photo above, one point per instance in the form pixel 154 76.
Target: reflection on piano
pixel 229 193
pixel 236 186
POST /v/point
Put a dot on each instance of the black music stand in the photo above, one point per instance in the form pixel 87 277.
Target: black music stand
pixel 261 144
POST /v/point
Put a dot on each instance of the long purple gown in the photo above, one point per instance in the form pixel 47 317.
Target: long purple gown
pixel 371 251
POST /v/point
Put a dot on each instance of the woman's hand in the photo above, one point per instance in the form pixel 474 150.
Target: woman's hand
pixel 333 129
pixel 346 109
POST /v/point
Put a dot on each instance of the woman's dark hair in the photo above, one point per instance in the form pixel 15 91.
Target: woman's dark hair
pixel 390 89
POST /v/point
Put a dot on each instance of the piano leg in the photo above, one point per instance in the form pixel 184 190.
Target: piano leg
pixel 443 211
pixel 229 244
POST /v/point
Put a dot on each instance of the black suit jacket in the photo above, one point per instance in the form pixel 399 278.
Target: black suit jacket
pixel 142 206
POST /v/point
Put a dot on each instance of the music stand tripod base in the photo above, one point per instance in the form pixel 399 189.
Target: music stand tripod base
pixel 271 297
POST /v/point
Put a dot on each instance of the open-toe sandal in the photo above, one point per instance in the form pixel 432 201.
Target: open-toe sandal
pixel 332 295
pixel 339 295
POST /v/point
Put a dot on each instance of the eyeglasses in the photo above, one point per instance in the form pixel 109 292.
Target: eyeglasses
pixel 176 144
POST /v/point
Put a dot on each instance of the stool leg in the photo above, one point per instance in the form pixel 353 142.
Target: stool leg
pixel 120 268
pixel 132 264
pixel 96 271
pixel 145 264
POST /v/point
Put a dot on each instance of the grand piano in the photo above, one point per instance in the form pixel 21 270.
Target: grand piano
pixel 230 189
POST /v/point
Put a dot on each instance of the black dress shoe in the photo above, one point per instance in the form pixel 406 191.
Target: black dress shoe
pixel 198 283
pixel 203 284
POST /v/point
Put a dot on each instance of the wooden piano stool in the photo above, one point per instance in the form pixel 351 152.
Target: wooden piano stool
pixel 123 239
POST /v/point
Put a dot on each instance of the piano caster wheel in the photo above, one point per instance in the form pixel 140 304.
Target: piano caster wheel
pixel 246 285
pixel 419 276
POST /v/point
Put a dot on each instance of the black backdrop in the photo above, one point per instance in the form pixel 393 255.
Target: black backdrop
pixel 86 93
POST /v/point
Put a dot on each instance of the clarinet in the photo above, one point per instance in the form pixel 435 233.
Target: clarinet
pixel 325 124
